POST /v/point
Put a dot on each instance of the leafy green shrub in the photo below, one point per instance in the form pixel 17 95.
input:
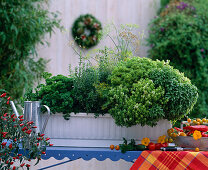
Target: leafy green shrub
pixel 143 91
pixel 23 26
pixel 180 34
pixel 57 93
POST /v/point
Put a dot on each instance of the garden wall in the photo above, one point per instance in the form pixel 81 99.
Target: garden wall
pixel 119 12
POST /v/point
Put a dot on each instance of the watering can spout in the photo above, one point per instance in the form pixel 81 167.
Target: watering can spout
pixel 14 108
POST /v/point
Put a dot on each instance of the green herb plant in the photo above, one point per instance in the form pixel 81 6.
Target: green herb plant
pixel 57 93
pixel 143 91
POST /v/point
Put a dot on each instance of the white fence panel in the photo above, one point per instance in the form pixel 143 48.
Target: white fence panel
pixel 61 54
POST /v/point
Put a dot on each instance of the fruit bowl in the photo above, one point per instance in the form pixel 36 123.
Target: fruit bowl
pixel 190 142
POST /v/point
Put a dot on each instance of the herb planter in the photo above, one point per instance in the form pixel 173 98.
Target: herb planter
pixel 84 130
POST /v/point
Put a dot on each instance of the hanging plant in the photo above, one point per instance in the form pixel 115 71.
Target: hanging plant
pixel 86 31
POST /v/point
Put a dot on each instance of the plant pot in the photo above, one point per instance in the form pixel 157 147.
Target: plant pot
pixel 84 130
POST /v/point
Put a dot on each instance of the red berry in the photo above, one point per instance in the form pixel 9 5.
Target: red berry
pixel 5 114
pixel 3 143
pixel 47 139
pixel 43 152
pixel 3 95
pixel 8 98
pixel 14 168
pixel 4 134
pixel 50 144
pixel 29 123
pixel 7 102
pixel 10 146
pixel 22 164
pixel 28 131
pixel 27 165
pixel 24 128
pixel 41 135
pixel 21 116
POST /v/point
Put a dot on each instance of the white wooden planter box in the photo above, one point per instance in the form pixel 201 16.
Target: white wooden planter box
pixel 84 130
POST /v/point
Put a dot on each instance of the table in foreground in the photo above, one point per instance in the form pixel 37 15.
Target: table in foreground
pixel 178 160
pixel 100 154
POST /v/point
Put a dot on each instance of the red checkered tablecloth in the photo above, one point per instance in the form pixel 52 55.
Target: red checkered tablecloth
pixel 178 160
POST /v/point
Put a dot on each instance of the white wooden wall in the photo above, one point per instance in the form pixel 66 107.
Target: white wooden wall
pixel 119 11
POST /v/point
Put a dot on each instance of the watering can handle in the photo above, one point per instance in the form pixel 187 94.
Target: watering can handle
pixel 46 121
pixel 14 108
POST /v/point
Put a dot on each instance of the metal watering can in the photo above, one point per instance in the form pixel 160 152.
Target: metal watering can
pixel 32 113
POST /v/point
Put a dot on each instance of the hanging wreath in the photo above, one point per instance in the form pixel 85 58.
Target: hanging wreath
pixel 86 31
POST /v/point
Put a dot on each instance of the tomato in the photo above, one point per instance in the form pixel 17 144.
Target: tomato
pixel 164 144
pixel 197 149
pixel 204 134
pixel 151 146
pixel 158 146
pixel 111 147
pixel 117 147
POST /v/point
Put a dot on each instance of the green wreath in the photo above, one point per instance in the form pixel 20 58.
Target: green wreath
pixel 86 31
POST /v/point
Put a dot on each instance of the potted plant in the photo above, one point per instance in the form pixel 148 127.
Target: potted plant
pixel 137 92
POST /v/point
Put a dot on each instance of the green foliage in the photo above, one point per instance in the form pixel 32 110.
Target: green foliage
pixel 126 43
pixel 56 93
pixel 131 146
pixel 23 25
pixel 85 97
pixel 14 133
pixel 180 34
pixel 143 91
pixel 90 82
pixel 86 80
pixel 163 3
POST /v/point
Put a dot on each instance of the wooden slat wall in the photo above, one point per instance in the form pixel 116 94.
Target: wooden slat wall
pixel 119 11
